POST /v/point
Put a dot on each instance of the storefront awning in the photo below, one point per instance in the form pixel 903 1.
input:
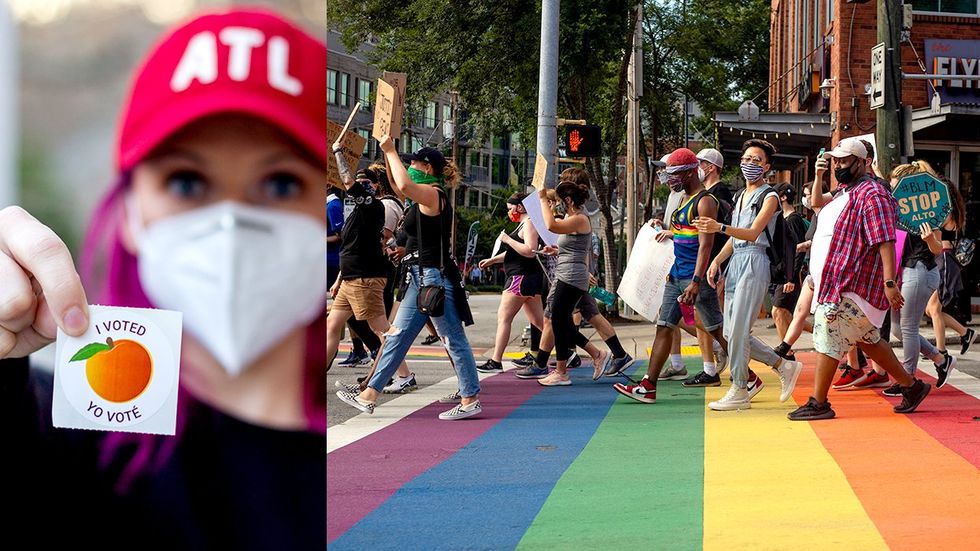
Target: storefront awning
pixel 795 135
pixel 948 121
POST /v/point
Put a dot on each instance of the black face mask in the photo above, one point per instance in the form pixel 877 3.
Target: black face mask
pixel 844 175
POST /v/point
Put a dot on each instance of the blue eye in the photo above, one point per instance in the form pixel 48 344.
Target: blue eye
pixel 282 186
pixel 187 184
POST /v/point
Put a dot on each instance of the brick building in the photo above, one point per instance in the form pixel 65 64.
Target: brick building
pixel 828 43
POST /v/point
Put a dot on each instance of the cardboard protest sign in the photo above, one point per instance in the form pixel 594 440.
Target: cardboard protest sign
pixel 540 172
pixel 922 198
pixel 398 81
pixel 352 144
pixel 122 374
pixel 642 286
pixel 387 113
pixel 532 204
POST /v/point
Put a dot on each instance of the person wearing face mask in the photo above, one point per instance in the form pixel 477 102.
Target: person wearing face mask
pixel 748 277
pixel 853 267
pixel 217 212
pixel 571 271
pixel 686 282
pixel 525 279
pixel 429 267
pixel 359 290
pixel 786 296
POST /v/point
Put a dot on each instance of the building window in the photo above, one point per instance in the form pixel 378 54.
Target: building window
pixel 364 93
pixel 958 7
pixel 830 12
pixel 367 142
pixel 342 90
pixel 430 115
pixel 417 144
pixel 406 143
pixel 332 87
pixel 447 121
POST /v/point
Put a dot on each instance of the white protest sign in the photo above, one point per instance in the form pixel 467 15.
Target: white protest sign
pixel 642 286
pixel 121 374
pixel 532 204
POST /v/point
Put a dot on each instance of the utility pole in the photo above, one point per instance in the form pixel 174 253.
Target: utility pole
pixel 888 132
pixel 634 90
pixel 547 142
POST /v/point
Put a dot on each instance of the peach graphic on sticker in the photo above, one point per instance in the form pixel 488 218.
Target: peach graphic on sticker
pixel 117 371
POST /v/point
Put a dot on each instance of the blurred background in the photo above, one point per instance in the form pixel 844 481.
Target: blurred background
pixel 64 68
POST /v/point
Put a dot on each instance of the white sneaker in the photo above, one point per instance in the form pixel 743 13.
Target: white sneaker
pixel 735 398
pixel 789 373
pixel 672 374
pixel 461 412
pixel 401 385
pixel 721 360
pixel 348 387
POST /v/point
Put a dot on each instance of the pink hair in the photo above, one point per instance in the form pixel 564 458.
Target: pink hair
pixel 110 274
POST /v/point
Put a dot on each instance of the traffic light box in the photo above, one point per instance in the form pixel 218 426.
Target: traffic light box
pixel 583 140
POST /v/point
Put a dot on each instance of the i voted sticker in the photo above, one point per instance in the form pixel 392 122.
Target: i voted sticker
pixel 122 374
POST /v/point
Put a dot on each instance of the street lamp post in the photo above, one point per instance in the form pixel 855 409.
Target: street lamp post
pixel 547 142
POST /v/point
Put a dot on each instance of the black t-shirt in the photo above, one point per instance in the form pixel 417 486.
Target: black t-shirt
pixel 361 253
pixel 796 231
pixel 435 233
pixel 517 264
pixel 221 483
pixel 917 250
pixel 723 195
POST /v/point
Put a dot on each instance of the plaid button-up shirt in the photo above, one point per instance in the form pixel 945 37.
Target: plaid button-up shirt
pixel 853 262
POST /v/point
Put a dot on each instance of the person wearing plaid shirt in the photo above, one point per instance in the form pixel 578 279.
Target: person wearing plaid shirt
pixel 853 266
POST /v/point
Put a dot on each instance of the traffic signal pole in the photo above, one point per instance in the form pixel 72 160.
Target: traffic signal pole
pixel 547 140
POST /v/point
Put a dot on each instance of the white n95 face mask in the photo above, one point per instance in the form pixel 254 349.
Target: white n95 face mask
pixel 244 277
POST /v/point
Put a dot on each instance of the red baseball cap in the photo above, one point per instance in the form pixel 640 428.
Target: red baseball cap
pixel 682 157
pixel 250 61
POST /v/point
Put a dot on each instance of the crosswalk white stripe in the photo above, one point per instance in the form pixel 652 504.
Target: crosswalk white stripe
pixel 364 425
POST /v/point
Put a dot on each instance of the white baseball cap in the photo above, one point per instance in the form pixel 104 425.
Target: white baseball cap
pixel 662 162
pixel 713 156
pixel 848 147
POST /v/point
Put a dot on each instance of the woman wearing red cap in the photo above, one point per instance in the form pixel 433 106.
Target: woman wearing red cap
pixel 217 212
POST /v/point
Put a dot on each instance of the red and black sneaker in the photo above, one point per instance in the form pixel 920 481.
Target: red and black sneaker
pixel 848 377
pixel 645 392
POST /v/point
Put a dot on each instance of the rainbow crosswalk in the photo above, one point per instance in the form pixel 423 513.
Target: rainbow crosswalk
pixel 581 467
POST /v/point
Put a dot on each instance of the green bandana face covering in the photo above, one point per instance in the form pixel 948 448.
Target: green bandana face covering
pixel 420 177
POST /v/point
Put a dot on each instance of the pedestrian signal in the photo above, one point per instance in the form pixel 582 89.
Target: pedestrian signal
pixel 583 140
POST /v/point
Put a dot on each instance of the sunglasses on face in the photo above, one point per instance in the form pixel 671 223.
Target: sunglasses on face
pixel 754 159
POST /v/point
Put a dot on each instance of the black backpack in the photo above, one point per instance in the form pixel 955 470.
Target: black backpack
pixel 781 249
pixel 725 208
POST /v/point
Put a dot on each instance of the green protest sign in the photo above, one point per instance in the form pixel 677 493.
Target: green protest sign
pixel 922 198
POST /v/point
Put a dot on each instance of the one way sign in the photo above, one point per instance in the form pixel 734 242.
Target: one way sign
pixel 878 76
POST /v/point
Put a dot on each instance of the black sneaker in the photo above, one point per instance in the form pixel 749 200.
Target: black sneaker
pixel 944 369
pixel 490 366
pixel 431 339
pixel 521 363
pixel 703 379
pixel 894 391
pixel 812 410
pixel 966 341
pixel 913 396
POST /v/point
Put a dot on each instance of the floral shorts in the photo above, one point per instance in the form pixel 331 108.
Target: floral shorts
pixel 839 327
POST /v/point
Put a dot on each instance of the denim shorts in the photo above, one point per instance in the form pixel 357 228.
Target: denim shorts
pixel 706 304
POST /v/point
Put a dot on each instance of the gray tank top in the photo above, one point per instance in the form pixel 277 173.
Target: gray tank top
pixel 573 259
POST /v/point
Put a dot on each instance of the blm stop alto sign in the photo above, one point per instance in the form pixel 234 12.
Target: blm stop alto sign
pixel 922 198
